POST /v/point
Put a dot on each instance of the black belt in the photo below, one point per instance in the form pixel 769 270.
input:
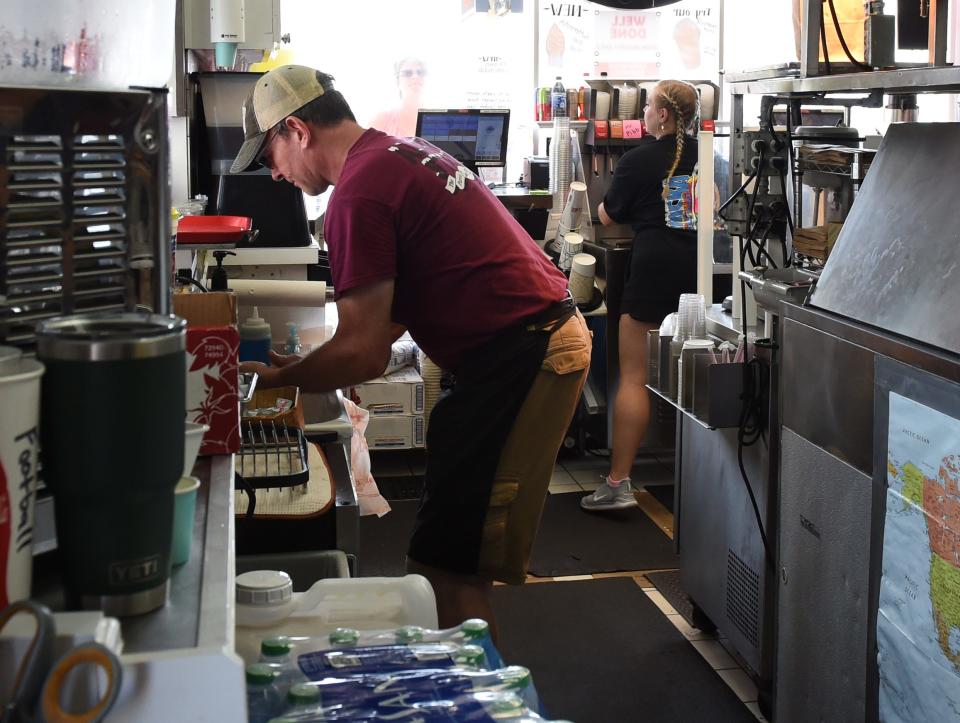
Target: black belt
pixel 553 316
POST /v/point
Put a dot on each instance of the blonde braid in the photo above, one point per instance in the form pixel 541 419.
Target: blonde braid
pixel 681 123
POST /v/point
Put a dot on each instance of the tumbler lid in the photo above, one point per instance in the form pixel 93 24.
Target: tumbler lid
pixel 264 587
pixel 110 336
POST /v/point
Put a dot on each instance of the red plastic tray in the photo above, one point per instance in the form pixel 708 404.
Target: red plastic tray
pixel 212 229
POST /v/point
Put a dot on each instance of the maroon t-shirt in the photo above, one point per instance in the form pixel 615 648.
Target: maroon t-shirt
pixel 464 269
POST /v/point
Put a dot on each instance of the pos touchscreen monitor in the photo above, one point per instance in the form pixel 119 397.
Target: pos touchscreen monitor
pixel 475 137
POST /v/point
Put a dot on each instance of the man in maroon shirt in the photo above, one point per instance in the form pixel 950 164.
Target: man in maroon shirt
pixel 417 242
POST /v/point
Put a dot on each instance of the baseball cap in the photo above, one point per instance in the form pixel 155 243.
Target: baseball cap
pixel 276 95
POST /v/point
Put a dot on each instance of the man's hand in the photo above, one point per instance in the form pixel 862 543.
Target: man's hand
pixel 358 351
pixel 267 374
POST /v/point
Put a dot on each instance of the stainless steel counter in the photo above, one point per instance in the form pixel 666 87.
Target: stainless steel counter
pixel 200 610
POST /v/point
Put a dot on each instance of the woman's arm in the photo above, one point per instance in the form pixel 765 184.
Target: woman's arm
pixel 604 218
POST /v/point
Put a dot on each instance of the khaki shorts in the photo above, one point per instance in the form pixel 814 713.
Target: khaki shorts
pixel 527 461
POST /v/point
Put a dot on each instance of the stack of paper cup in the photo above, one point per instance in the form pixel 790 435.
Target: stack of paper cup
pixel 561 168
pixel 572 245
pixel 19 437
pixel 582 270
pixel 573 208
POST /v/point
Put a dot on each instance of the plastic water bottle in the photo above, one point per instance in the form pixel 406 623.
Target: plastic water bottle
pixel 473 631
pixel 486 706
pixel 389 658
pixel 416 685
pixel 278 652
pixel 558 99
pixel 263 699
pixel 302 696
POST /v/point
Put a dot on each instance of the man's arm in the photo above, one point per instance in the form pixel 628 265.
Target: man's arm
pixel 359 350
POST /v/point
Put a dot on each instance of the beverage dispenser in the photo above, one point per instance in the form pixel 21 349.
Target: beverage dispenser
pixel 216 134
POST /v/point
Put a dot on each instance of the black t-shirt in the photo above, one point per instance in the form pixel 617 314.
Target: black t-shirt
pixel 635 195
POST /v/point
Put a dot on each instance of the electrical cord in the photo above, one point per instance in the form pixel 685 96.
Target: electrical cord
pixel 187 279
pixel 736 193
pixel 823 43
pixel 751 427
pixel 756 187
pixel 751 430
pixel 843 42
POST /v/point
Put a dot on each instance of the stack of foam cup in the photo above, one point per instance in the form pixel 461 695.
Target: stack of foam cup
pixel 582 270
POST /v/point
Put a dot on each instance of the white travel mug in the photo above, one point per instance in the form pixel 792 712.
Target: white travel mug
pixel 19 437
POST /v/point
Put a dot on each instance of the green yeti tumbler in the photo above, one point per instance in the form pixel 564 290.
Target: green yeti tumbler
pixel 113 410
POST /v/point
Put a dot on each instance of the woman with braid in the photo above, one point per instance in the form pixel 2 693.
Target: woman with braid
pixel 652 190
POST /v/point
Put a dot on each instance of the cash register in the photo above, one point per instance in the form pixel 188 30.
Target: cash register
pixel 477 137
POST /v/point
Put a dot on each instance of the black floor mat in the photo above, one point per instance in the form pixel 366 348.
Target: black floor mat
pixel 600 651
pixel 409 487
pixel 572 541
pixel 383 540
pixel 668 584
pixel 663 494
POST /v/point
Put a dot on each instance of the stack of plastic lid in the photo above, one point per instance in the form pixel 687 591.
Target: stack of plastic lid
pixel 627 102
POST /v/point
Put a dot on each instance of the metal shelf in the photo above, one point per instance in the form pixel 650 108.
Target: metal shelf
pixel 906 80
pixel 673 403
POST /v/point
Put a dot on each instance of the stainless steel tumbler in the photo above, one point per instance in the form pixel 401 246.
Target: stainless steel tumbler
pixel 113 409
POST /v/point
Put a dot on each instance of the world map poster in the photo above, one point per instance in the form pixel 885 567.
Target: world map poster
pixel 918 625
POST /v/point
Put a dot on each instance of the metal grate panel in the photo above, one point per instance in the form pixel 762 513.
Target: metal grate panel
pixel 64 237
pixel 743 597
pixel 83 205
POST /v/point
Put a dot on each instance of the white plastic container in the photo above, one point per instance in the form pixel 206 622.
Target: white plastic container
pixel 267 606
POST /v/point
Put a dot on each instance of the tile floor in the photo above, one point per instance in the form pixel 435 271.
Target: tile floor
pixel 583 475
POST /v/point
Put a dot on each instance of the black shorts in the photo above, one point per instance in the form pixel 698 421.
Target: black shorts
pixel 467 432
pixel 663 265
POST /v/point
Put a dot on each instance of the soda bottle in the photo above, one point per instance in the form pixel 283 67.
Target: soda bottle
pixel 558 99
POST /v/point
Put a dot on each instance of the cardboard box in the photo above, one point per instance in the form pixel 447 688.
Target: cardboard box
pixel 400 431
pixel 213 380
pixel 398 393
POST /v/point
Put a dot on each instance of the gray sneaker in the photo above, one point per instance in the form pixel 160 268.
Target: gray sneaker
pixel 610 498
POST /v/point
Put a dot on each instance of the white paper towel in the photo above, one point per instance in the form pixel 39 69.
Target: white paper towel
pixel 273 292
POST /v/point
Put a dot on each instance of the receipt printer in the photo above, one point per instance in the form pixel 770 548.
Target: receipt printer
pixel 536 172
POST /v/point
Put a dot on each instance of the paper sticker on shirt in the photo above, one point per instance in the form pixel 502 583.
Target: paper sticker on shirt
pixel 680 202
pixel 446 168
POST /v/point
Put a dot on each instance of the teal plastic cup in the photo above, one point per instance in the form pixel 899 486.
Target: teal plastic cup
pixel 184 507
